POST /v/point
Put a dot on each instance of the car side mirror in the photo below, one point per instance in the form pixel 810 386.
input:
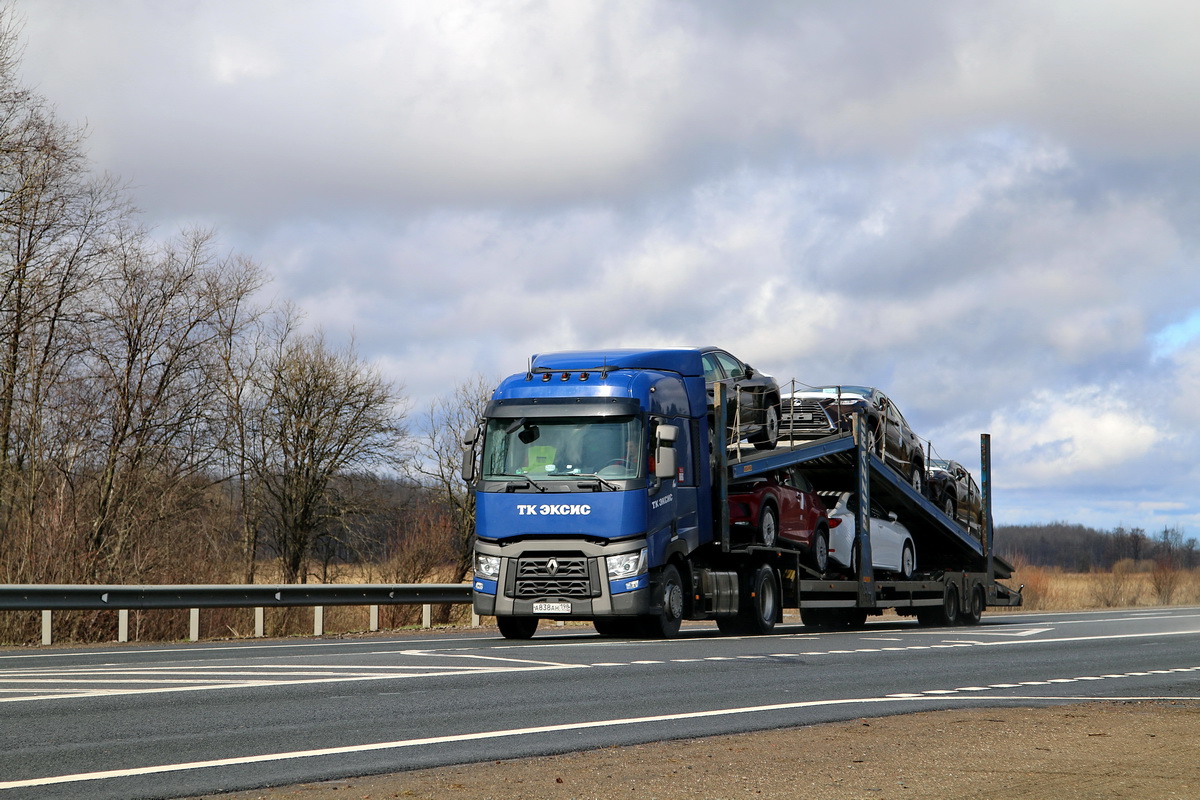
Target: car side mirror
pixel 893 516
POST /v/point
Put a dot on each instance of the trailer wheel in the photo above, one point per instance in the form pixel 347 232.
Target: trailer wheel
pixel 768 525
pixel 814 618
pixel 974 610
pixel 760 601
pixel 853 618
pixel 517 627
pixel 669 595
pixel 950 606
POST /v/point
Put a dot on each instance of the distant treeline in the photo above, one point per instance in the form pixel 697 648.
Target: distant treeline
pixel 1078 548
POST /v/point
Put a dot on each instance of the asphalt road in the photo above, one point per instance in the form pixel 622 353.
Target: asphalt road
pixel 179 720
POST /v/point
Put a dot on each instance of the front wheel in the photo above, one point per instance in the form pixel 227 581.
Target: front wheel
pixel 664 624
pixel 517 627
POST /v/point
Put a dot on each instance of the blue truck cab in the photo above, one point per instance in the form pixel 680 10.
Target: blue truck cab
pixel 591 477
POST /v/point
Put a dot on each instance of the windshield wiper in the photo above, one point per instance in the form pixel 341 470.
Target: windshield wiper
pixel 514 485
pixel 599 485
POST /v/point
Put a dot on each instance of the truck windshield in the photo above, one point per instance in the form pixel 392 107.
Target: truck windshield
pixel 563 448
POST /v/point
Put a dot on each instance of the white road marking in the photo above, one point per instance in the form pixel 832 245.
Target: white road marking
pixel 159 769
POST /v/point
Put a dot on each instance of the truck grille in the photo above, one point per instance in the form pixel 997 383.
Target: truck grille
pixel 808 417
pixel 567 576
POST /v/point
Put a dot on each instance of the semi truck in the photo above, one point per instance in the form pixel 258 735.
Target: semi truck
pixel 602 481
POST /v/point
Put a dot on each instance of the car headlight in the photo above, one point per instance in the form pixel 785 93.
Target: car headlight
pixel 487 566
pixel 626 565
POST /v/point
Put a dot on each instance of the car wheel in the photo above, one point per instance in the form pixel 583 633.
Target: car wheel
pixel 819 555
pixel 517 627
pixel 908 561
pixel 917 477
pixel 768 436
pixel 760 601
pixel 768 526
pixel 873 442
pixel 948 507
pixel 665 623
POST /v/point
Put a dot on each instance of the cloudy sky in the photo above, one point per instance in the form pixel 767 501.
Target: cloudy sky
pixel 989 210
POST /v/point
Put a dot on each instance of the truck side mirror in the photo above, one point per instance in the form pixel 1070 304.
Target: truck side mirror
pixel 665 465
pixel 467 470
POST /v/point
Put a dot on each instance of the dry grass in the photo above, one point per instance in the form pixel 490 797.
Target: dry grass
pixel 1127 584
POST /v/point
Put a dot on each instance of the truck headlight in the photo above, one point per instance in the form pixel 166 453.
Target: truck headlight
pixel 487 566
pixel 626 565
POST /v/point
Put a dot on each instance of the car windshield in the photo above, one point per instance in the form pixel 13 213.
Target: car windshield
pixel 863 390
pixel 939 463
pixel 562 448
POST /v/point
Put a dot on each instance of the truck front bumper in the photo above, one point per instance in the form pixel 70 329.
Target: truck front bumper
pixel 525 587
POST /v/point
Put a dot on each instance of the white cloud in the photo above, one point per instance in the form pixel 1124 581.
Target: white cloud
pixel 1071 437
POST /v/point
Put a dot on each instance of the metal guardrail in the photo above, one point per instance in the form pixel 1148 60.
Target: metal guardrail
pixel 57 597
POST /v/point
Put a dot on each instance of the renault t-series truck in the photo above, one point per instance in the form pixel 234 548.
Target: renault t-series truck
pixel 602 483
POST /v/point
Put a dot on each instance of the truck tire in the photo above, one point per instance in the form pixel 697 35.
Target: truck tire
pixel 974 610
pixel 768 525
pixel 944 615
pixel 668 596
pixel 814 618
pixel 852 618
pixel 517 627
pixel 760 601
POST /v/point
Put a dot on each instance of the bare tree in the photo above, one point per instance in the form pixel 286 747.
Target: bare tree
pixel 445 425
pixel 57 223
pixel 324 413
pixel 155 353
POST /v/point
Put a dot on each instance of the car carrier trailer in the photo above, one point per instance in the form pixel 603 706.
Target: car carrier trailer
pixel 643 543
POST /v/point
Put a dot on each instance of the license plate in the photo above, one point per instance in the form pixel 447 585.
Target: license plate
pixel 804 416
pixel 552 608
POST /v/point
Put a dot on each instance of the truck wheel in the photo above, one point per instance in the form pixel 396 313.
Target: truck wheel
pixel 814 618
pixel 853 618
pixel 668 595
pixel 517 627
pixel 768 526
pixel 974 610
pixel 950 606
pixel 908 561
pixel 768 436
pixel 819 555
pixel 760 601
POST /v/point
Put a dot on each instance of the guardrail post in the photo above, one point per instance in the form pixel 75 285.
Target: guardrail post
pixel 374 623
pixel 47 627
pixel 427 616
pixel 123 625
pixel 194 624
pixel 318 620
pixel 260 622
pixel 474 620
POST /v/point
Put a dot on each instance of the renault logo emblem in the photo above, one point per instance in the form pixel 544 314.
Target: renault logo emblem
pixel 552 566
